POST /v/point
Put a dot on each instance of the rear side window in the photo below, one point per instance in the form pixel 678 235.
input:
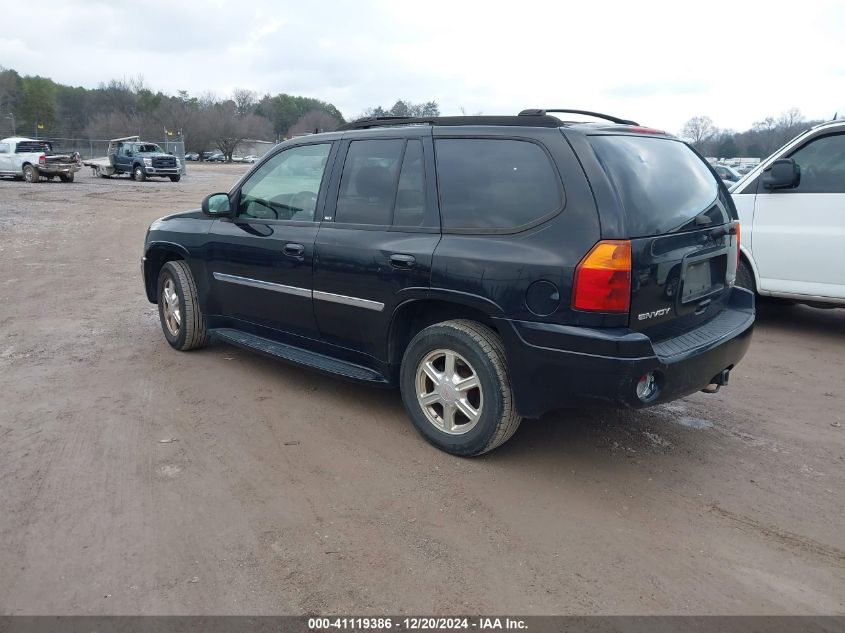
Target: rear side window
pixel 494 184
pixel 661 183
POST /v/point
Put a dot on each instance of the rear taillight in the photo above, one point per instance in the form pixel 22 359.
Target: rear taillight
pixel 42 159
pixel 603 278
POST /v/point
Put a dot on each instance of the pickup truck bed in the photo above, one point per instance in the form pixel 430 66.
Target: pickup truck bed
pixel 33 159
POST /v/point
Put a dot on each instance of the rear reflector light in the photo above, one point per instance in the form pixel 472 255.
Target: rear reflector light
pixel 42 159
pixel 603 278
pixel 737 245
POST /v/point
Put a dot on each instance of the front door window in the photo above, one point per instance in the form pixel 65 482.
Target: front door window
pixel 286 186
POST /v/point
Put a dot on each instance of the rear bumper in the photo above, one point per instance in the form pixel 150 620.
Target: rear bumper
pixel 59 168
pixel 555 366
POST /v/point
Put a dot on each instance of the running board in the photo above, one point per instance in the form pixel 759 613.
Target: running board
pixel 297 355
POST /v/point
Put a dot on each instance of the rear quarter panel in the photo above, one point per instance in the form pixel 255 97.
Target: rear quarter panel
pixel 494 271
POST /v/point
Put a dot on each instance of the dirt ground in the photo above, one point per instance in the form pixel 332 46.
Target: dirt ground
pixel 285 492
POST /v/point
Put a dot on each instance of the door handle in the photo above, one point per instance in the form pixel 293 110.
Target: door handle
pixel 293 249
pixel 399 260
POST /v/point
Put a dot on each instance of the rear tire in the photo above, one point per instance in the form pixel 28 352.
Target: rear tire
pixel 66 177
pixel 175 178
pixel 31 174
pixel 138 174
pixel 456 389
pixel 745 276
pixel 181 319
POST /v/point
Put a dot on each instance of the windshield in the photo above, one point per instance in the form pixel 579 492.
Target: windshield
pixel 149 148
pixel 661 182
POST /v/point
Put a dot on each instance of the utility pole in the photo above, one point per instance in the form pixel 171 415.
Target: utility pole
pixel 12 116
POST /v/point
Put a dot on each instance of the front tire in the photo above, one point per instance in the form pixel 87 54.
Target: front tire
pixel 182 320
pixel 138 174
pixel 31 174
pixel 456 388
pixel 176 178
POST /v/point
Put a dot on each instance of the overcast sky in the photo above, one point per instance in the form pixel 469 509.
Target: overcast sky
pixel 658 63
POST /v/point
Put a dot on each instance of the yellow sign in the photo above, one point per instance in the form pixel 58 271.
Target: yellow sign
pixel 40 126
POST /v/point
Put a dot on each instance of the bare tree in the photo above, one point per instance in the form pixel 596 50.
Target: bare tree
pixel 698 131
pixel 789 125
pixel 245 101
pixel 767 134
pixel 229 130
pixel 313 121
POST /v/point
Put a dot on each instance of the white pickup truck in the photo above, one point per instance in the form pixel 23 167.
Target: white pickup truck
pixel 32 160
pixel 792 217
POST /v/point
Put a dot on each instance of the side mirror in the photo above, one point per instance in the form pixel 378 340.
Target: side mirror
pixel 216 204
pixel 782 174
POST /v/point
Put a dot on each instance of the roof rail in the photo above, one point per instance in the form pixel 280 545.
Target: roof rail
pixel 598 115
pixel 386 121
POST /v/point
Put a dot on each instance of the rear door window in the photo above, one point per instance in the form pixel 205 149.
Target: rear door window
pixel 662 184
pixel 489 185
pixel 368 184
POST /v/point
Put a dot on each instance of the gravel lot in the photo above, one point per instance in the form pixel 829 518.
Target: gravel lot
pixel 284 491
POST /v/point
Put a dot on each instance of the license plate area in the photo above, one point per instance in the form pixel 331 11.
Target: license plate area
pixel 703 276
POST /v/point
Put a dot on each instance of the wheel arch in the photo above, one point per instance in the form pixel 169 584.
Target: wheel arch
pixel 156 256
pixel 745 256
pixel 416 314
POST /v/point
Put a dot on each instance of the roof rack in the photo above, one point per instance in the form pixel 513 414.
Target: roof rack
pixel 386 121
pixel 598 115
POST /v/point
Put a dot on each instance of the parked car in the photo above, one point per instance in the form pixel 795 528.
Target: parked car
pixel 526 265
pixel 251 158
pixel 141 160
pixel 728 174
pixel 33 160
pixel 792 209
pixel 214 157
pixel 192 156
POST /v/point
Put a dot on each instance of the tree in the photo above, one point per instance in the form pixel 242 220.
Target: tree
pixel 405 109
pixel 727 148
pixel 698 131
pixel 229 130
pixel 313 121
pixel 285 110
pixel 766 135
pixel 245 101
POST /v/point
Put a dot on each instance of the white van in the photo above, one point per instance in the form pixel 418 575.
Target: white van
pixel 792 217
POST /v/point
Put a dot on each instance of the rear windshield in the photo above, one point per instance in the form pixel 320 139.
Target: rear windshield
pixel 661 183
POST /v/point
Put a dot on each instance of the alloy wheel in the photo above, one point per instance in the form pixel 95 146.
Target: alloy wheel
pixel 172 312
pixel 449 392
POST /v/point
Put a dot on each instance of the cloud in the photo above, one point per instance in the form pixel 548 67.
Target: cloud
pixel 672 62
pixel 653 89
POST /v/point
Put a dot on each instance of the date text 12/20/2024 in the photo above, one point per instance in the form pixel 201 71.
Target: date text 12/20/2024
pixel 414 624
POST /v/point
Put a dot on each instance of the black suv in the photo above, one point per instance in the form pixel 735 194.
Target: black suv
pixel 493 268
